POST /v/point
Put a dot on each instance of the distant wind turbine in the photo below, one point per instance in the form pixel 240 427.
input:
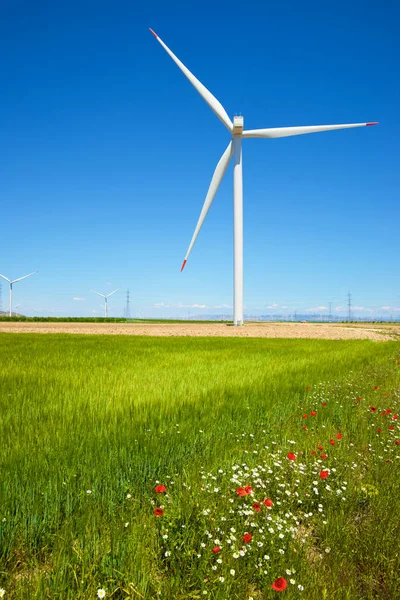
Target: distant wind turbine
pixel 235 149
pixel 105 300
pixel 15 281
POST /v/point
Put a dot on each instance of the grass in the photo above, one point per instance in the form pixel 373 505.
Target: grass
pixel 91 424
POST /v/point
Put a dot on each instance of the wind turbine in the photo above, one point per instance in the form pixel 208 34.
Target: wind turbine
pixel 15 281
pixel 105 300
pixel 235 149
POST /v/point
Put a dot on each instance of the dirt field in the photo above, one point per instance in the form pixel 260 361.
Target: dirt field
pixel 268 330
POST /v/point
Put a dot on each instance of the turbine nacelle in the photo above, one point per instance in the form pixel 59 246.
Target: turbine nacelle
pixel 238 123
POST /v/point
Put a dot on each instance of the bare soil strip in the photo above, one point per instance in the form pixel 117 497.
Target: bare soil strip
pixel 329 331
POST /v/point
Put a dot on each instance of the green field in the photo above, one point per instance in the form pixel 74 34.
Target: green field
pixel 90 425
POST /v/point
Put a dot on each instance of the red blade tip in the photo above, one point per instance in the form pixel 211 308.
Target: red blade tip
pixel 374 123
pixel 183 265
pixel 153 32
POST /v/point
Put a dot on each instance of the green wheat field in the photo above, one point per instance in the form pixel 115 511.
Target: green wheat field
pixel 276 464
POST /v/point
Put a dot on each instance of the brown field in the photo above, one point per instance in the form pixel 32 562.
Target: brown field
pixel 332 331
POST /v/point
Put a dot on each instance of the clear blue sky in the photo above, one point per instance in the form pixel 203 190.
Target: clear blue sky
pixel 107 153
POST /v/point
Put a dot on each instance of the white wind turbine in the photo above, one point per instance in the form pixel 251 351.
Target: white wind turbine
pixel 105 300
pixel 235 148
pixel 15 281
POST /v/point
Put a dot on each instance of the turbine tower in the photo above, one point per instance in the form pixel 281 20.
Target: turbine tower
pixel 15 281
pixel 235 149
pixel 105 300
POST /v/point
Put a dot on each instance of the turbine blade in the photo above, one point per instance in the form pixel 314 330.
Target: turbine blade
pixel 212 190
pixel 24 277
pixel 98 293
pixel 112 293
pixel 279 132
pixel 4 277
pixel 211 100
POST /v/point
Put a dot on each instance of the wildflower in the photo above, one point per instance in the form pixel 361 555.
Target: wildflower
pixel 241 492
pixel 88 491
pixel 313 453
pixel 160 489
pixel 158 512
pixel 300 587
pixel 324 474
pixel 222 579
pixel 101 593
pixel 391 428
pixel 247 538
pixel 375 387
pixel 323 404
pixel 304 416
pixel 248 489
pixel 268 502
pixel 291 456
pixel 2 592
pixel 313 413
pixel 332 442
pixel 379 430
pixel 320 447
pixel 339 436
pixel 304 427
pixel 232 572
pixel 372 408
pixel 279 584
pixel 397 442
pixel 323 456
pixel 216 549
pixel 256 507
pixel 128 496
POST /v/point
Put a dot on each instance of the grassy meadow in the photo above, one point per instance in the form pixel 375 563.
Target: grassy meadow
pixel 275 462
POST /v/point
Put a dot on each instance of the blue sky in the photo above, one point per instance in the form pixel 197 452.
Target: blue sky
pixel 107 153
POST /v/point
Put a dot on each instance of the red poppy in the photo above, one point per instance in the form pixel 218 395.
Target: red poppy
pixel 323 404
pixel 395 417
pixel 383 413
pixel 388 410
pixel 158 512
pixel 372 408
pixel 160 489
pixel 388 460
pixel 313 413
pixel 320 447
pixel 379 430
pixel 332 442
pixel 241 492
pixel 216 549
pixel 375 387
pixel 324 474
pixel 256 507
pixel 304 427
pixel 323 456
pixel 291 456
pixel 307 387
pixel 391 428
pixel 339 436
pixel 304 416
pixel 359 398
pixel 248 489
pixel 397 442
pixel 279 584
pixel 268 502
pixel 313 453
pixel 247 538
